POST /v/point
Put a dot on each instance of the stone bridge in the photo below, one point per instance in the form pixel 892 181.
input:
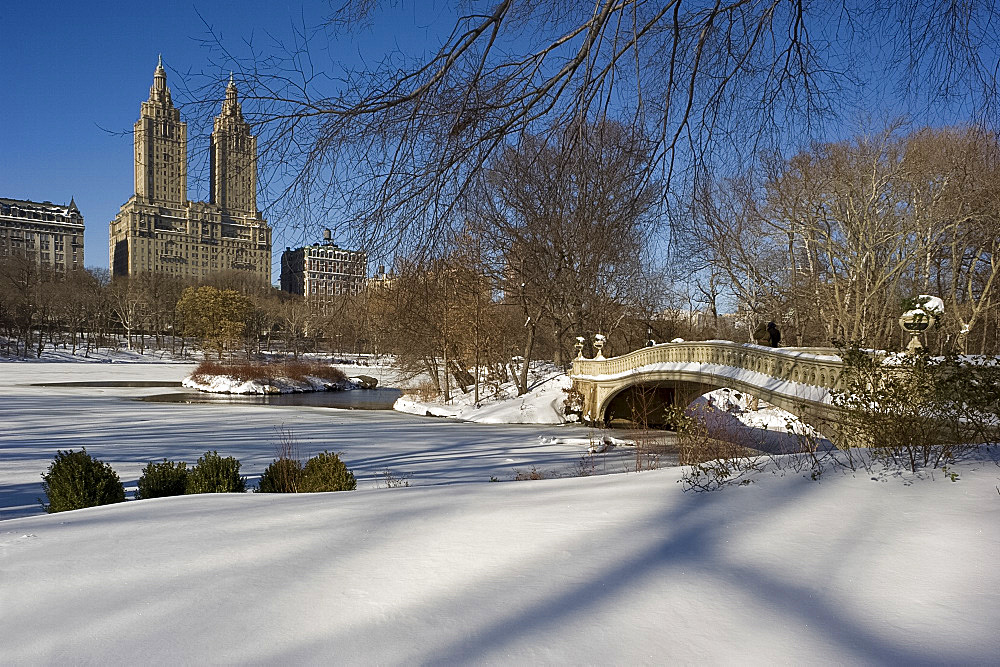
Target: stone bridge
pixel 799 380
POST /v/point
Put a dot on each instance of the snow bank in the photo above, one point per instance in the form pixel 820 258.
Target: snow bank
pixel 541 405
pixel 757 413
pixel 224 384
pixel 617 569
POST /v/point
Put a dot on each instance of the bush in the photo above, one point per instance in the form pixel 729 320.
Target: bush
pixel 711 462
pixel 913 410
pixel 521 476
pixel 326 472
pixel 267 372
pixel 76 480
pixel 160 480
pixel 214 474
pixel 283 476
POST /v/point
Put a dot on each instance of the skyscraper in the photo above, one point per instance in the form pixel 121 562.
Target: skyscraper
pixel 158 230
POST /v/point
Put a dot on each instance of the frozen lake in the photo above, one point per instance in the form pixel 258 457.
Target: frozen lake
pixel 41 414
pixel 356 399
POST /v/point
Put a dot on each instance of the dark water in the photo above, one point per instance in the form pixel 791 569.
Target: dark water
pixel 355 399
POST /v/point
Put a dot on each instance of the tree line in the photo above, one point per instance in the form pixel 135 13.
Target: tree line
pixel 229 314
pixel 834 240
pixel 561 239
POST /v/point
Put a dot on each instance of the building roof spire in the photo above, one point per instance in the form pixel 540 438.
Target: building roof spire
pixel 231 105
pixel 159 92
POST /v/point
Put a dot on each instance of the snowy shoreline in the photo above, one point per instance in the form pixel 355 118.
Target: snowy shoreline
pixel 225 384
pixel 543 404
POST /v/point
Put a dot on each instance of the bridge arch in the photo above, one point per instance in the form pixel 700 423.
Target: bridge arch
pixel 798 380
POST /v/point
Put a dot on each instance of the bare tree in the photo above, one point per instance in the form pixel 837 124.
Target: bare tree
pixel 836 238
pixel 127 299
pixel 952 185
pixel 395 147
pixel 566 222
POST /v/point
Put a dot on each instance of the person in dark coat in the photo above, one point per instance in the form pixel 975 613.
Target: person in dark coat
pixel 773 335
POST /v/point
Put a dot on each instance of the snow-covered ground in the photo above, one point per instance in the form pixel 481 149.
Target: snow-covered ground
pixel 609 569
pixel 543 404
pixel 224 384
pixel 616 569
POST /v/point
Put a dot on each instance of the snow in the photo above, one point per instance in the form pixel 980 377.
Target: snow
pixel 756 413
pixel 599 570
pixel 932 305
pixel 128 434
pixel 609 569
pixel 224 384
pixel 543 404
pixel 805 354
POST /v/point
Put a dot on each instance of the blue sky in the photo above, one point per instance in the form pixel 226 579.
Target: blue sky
pixel 73 74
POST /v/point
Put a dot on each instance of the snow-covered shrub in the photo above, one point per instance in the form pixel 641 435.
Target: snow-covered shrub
pixel 76 479
pixel 326 472
pixel 159 480
pixel 534 473
pixel 267 372
pixel 572 405
pixel 711 461
pixel 915 410
pixel 283 475
pixel 392 480
pixel 215 474
pixel 426 391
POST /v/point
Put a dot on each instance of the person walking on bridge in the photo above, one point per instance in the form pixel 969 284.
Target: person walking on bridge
pixel 773 334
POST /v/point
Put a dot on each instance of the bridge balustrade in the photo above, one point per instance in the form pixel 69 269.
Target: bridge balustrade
pixel 818 367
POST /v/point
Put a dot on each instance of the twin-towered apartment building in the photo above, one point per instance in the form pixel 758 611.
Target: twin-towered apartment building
pixel 160 231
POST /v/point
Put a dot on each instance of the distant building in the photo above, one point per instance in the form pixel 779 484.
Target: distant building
pixel 51 234
pixel 158 230
pixel 323 270
pixel 380 281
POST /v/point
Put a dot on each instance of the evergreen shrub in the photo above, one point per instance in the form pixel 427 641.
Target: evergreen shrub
pixel 76 479
pixel 215 474
pixel 326 472
pixel 164 479
pixel 284 475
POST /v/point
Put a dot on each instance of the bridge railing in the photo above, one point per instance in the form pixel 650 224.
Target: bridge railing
pixel 820 367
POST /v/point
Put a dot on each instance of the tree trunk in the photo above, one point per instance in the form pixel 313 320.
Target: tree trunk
pixel 447 391
pixel 529 344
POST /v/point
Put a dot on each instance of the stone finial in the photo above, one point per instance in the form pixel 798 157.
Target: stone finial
pixel 599 340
